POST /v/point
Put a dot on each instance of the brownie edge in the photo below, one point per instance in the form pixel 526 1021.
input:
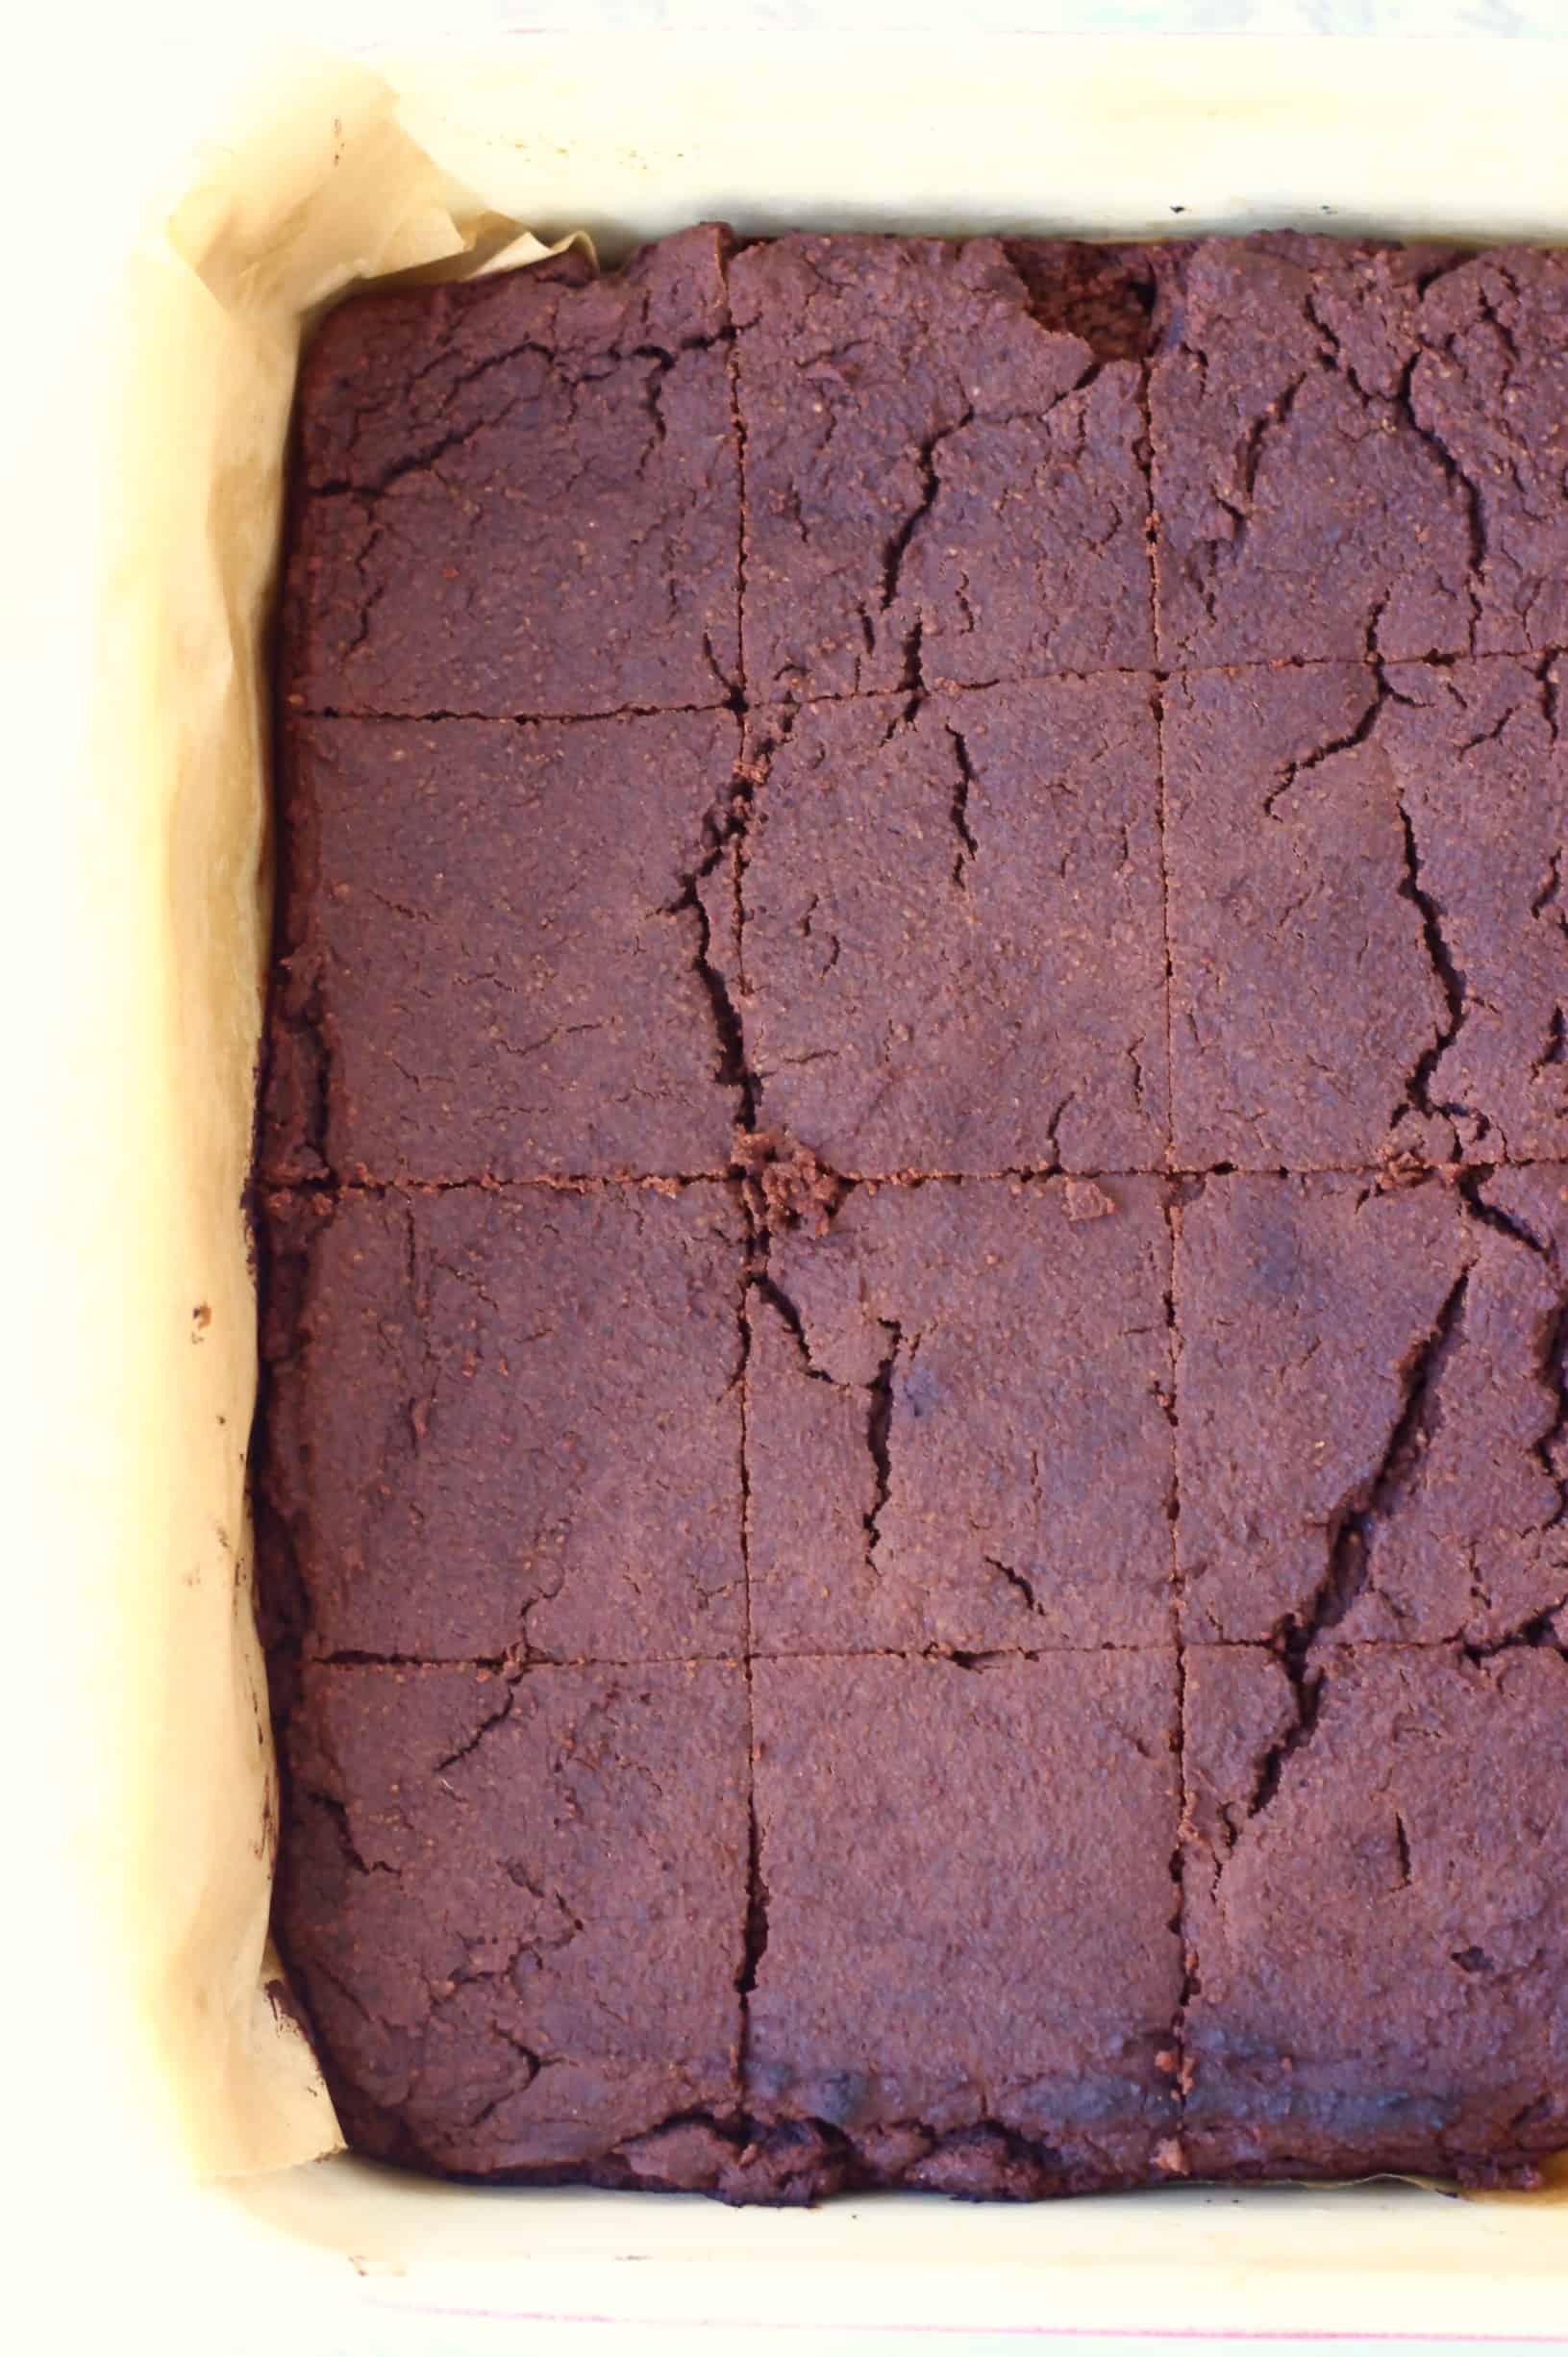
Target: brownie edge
pixel 519 496
pixel 517 1906
pixel 1376 1914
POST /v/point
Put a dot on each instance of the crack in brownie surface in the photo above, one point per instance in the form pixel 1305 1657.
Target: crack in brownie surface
pixel 498 946
pixel 1377 1945
pixel 1372 1384
pixel 518 1905
pixel 957 1422
pixel 913 1186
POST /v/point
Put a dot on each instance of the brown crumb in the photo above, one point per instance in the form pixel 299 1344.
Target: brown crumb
pixel 786 1185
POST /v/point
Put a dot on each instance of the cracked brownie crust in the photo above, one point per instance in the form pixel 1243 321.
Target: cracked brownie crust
pixel 933 1350
pixel 1368 955
pixel 945 481
pixel 1371 1441
pixel 499 942
pixel 544 520
pixel 1022 940
pixel 1358 452
pixel 519 1905
pixel 1376 1936
pixel 912 1485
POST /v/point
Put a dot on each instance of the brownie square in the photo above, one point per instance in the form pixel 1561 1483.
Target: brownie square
pixel 517 1906
pixel 1376 1913
pixel 972 1969
pixel 1491 392
pixel 953 931
pixel 1304 507
pixel 1370 1393
pixel 957 1422
pixel 943 464
pixel 506 1423
pixel 520 495
pixel 503 950
pixel 1369 950
pixel 1482 770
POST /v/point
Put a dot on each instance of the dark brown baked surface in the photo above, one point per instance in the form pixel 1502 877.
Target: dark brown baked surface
pixel 1370 1441
pixel 959 1788
pixel 1407 820
pixel 1376 1920
pixel 507 1422
pixel 894 395
pixel 931 1350
pixel 495 946
pixel 521 1904
pixel 1358 453
pixel 1024 938
pixel 912 1186
pixel 545 520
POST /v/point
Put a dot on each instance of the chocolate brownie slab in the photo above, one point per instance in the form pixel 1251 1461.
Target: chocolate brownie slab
pixel 957 1422
pixel 944 476
pixel 909 1171
pixel 516 1906
pixel 953 931
pixel 506 1423
pixel 520 495
pixel 1369 946
pixel 971 1969
pixel 502 950
pixel 1369 1397
pixel 1377 1912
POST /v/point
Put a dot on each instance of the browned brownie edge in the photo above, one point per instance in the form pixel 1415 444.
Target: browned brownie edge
pixel 570 436
pixel 1375 1913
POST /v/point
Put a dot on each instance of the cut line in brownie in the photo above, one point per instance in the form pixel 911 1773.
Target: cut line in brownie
pixel 944 461
pixel 952 930
pixel 1375 1914
pixel 520 496
pixel 1370 1408
pixel 502 950
pixel 1358 451
pixel 1369 948
pixel 518 1907
pixel 506 1424
pixel 972 1969
pixel 957 1422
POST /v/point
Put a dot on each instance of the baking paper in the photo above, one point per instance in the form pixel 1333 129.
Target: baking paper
pixel 433 167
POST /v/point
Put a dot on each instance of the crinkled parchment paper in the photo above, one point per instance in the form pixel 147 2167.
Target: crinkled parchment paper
pixel 322 195
pixel 337 186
